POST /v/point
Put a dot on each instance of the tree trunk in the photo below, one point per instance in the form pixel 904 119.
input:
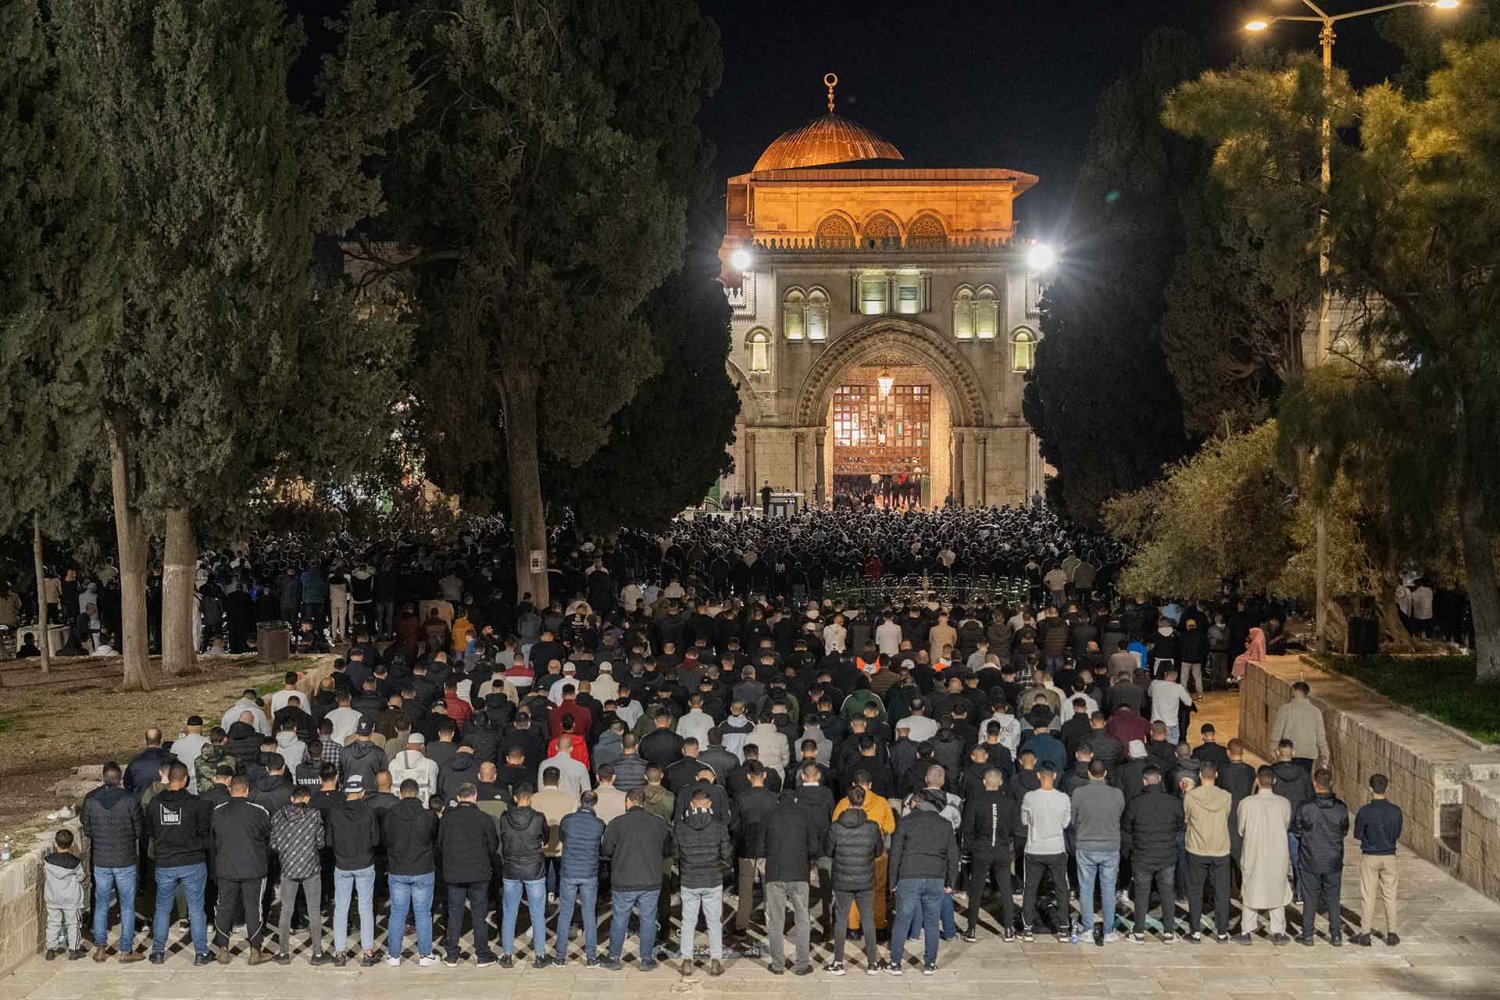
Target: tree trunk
pixel 41 592
pixel 528 516
pixel 130 536
pixel 1392 628
pixel 179 573
pixel 1479 574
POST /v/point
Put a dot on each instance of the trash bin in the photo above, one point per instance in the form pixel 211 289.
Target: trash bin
pixel 273 642
pixel 1364 637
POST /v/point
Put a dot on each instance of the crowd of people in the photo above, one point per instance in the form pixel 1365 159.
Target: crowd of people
pixel 660 751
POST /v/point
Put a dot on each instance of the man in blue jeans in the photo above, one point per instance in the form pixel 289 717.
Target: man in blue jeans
pixel 1097 808
pixel 578 878
pixel 353 833
pixel 634 846
pixel 409 830
pixel 523 838
pixel 924 866
pixel 180 825
pixel 113 823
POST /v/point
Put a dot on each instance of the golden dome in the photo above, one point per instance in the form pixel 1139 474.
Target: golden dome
pixel 829 139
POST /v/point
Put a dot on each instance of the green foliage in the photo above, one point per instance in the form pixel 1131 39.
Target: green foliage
pixel 1101 398
pixel 1442 687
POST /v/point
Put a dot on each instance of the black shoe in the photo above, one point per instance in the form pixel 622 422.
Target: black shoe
pixel 540 962
pixel 777 969
pixel 52 954
pixel 648 965
pixel 971 935
pixel 157 957
pixel 1243 939
pixel 281 958
pixel 201 960
pixel 1222 938
pixel 611 964
pixel 1008 935
pixel 506 962
pixel 78 953
pixel 805 970
pixel 1306 942
pixel 367 960
pixel 485 963
pixel 1193 937
pixel 1027 935
pixel 1393 939
pixel 324 958
pixel 834 968
pixel 591 963
pixel 1363 940
pixel 1336 942
pixel 339 961
pixel 1280 939
pixel 929 968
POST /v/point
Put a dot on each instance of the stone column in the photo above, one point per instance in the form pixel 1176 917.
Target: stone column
pixel 973 488
pixel 819 437
pixel 751 482
pixel 957 466
pixel 984 468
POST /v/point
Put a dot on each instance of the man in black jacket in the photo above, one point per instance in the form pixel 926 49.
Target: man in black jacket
pixel 1149 829
pixel 523 836
pixel 992 821
pixel 704 854
pixel 467 843
pixel 113 822
pixel 634 846
pixel 242 847
pixel 752 809
pixel 811 794
pixel 180 824
pixel 354 834
pixel 924 867
pixel 409 831
pixel 791 841
pixel 1321 823
pixel 852 844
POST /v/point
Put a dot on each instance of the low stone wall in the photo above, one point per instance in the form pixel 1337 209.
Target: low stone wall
pixel 1440 778
pixel 23 918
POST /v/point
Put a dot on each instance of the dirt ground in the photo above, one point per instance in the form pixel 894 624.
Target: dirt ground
pixel 46 731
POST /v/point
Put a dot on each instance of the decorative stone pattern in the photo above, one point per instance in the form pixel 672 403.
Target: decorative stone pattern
pixel 1447 785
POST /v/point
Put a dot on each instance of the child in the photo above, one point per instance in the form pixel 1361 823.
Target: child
pixel 66 887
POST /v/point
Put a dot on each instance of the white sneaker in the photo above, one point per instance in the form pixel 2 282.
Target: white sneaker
pixel 427 961
pixel 393 960
pixel 1111 937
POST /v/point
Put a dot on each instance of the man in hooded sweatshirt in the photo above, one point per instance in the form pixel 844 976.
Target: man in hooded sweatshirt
pixel 409 832
pixel 354 834
pixel 1207 810
pixel 181 825
pixel 362 757
pixel 704 854
pixel 414 764
pixel 523 840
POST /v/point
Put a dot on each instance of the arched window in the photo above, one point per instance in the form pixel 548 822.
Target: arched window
pixel 882 233
pixel 794 315
pixel 986 314
pixel 835 233
pixel 926 233
pixel 1022 349
pixel 963 313
pixel 758 350
pixel 817 314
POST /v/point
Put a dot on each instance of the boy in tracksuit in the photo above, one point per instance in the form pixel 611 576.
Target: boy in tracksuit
pixel 65 892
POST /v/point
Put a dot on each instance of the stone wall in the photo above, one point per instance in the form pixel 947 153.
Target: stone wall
pixel 23 919
pixel 1447 784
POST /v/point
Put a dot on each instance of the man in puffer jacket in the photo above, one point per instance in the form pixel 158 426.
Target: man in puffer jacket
pixel 362 757
pixel 852 843
pixel 1149 829
pixel 924 867
pixel 704 854
pixel 113 823
pixel 578 877
pixel 1321 824
pixel 297 839
pixel 523 836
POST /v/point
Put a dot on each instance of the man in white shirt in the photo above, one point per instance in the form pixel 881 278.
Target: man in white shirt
pixel 414 763
pixel 695 723
pixel 345 720
pixel 279 699
pixel 888 636
pixel 1010 728
pixel 190 744
pixel 247 703
pixel 834 635
pixel 627 708
pixel 918 724
pixel 569 678
pixel 1046 813
pixel 604 687
pixel 573 776
pixel 1167 698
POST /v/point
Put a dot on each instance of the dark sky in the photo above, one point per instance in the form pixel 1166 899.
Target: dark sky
pixel 1007 83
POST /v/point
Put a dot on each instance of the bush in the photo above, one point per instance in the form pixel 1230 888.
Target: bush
pixel 1440 686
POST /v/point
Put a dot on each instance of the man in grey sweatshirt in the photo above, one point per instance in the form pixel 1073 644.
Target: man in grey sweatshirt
pixel 1097 807
pixel 1046 813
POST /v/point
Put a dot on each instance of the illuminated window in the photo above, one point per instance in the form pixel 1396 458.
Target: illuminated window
pixel 835 233
pixel 1022 349
pixel 908 294
pixel 817 314
pixel 872 292
pixel 926 233
pixel 758 347
pixel 794 315
pixel 986 314
pixel 963 314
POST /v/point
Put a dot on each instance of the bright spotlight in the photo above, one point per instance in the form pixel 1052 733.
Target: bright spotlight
pixel 1258 24
pixel 741 259
pixel 1041 257
pixel 1445 4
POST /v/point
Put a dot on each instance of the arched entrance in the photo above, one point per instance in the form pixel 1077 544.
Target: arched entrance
pixel 885 400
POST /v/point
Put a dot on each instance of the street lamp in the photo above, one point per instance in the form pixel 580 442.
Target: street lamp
pixel 1325 145
pixel 1041 257
pixel 741 259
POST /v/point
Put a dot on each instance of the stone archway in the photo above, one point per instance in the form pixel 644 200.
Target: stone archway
pixel 920 344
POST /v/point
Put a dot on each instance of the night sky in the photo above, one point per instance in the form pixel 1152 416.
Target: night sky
pixel 1003 83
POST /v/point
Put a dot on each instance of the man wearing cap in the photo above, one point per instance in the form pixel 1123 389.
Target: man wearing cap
pixel 361 757
pixel 414 764
pixel 353 833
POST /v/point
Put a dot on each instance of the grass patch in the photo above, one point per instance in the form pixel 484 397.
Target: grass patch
pixel 1440 686
pixel 9 724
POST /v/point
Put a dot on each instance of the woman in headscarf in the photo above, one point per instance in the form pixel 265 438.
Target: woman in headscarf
pixel 1255 651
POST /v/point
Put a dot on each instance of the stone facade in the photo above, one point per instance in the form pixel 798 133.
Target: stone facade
pixel 1447 784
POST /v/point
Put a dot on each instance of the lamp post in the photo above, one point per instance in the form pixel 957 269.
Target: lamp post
pixel 1326 38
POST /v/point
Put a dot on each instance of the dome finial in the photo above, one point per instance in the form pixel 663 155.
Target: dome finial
pixel 830 80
